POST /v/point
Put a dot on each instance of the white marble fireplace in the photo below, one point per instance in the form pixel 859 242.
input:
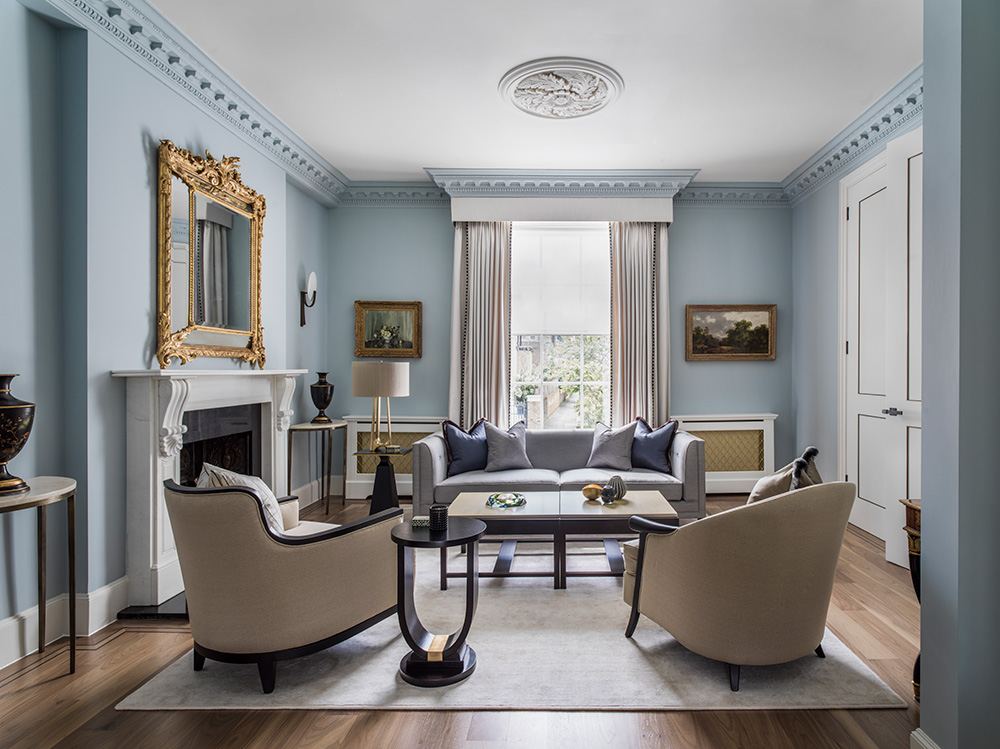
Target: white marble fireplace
pixel 156 401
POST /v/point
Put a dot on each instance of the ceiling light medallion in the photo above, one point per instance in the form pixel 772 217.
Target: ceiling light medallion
pixel 560 88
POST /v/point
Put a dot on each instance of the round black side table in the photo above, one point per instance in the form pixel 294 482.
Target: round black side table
pixel 436 660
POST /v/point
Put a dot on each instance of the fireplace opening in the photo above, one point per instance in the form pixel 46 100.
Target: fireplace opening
pixel 226 437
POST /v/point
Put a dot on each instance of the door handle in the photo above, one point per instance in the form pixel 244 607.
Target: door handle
pixel 892 411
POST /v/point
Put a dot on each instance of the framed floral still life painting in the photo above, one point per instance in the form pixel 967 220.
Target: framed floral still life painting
pixel 387 330
pixel 730 332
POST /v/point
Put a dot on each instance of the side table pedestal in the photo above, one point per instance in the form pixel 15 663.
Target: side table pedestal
pixel 436 660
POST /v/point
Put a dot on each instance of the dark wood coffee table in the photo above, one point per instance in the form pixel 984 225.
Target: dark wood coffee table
pixel 550 516
pixel 436 660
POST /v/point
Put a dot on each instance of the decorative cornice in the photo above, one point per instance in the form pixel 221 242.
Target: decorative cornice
pixel 416 194
pixel 900 107
pixel 139 31
pixel 567 183
pixel 733 193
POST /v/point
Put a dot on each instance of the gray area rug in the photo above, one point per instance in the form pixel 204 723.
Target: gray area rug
pixel 537 648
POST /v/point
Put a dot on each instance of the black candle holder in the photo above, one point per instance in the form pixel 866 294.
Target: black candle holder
pixel 439 517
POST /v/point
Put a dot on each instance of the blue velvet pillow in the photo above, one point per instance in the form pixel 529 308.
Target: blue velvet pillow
pixel 466 450
pixel 650 447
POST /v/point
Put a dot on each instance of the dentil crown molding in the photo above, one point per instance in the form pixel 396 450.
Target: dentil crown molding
pixel 394 194
pixel 901 107
pixel 732 193
pixel 138 30
pixel 566 183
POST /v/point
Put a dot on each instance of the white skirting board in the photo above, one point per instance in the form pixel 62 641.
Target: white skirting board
pixel 94 611
pixel 920 740
pixel 311 493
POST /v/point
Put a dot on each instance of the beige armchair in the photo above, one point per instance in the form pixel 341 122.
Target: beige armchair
pixel 256 596
pixel 749 586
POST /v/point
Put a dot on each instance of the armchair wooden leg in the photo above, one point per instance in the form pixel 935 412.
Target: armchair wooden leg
pixel 199 661
pixel 267 667
pixel 819 651
pixel 734 677
pixel 634 617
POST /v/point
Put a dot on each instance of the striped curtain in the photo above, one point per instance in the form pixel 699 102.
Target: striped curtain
pixel 480 324
pixel 640 331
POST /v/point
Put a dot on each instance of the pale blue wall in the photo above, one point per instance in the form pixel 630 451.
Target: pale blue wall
pixel 392 254
pixel 307 346
pixel 79 210
pixel 960 554
pixel 733 255
pixel 30 300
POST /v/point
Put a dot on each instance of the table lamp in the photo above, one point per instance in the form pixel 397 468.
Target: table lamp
pixel 378 380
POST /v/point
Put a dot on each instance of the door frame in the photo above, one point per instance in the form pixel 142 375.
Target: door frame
pixel 880 161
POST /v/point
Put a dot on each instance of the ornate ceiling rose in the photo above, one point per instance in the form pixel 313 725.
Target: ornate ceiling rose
pixel 560 88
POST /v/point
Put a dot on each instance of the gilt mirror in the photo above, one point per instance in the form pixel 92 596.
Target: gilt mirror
pixel 208 268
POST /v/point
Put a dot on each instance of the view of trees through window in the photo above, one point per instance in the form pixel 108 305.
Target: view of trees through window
pixel 560 325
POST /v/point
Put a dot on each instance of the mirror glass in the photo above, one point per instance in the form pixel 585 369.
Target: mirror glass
pixel 209 260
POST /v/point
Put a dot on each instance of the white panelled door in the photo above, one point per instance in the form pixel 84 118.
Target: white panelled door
pixel 881 376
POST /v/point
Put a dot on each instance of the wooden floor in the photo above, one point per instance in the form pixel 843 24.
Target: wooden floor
pixel 874 611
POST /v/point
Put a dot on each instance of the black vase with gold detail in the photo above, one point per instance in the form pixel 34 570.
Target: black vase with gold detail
pixel 16 418
pixel 322 395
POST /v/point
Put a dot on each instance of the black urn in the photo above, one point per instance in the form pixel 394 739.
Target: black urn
pixel 16 418
pixel 322 395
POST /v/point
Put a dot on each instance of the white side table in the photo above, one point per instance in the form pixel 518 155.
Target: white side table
pixel 46 490
pixel 326 430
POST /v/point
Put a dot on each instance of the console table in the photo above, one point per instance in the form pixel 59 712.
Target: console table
pixel 42 491
pixel 326 430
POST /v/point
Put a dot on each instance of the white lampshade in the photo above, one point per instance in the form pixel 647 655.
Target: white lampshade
pixel 375 379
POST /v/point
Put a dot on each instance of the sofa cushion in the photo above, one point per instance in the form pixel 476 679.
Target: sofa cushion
pixel 638 478
pixel 467 451
pixel 506 450
pixel 520 479
pixel 651 447
pixel 612 448
pixel 213 476
pixel 559 449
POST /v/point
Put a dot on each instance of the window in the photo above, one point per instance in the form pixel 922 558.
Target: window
pixel 560 324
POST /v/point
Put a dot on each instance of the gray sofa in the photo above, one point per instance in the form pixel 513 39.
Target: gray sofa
pixel 558 457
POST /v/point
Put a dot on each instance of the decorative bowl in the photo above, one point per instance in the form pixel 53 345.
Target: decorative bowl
pixel 506 499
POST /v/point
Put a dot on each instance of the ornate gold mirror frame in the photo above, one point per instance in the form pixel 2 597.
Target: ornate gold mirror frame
pixel 184 328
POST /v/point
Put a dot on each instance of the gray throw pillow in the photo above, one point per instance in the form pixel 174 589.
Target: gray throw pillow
pixel 612 448
pixel 506 450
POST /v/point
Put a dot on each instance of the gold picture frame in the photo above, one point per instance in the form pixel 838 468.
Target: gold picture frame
pixel 184 330
pixel 387 330
pixel 730 332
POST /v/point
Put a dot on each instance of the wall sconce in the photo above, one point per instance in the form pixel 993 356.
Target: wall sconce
pixel 307 298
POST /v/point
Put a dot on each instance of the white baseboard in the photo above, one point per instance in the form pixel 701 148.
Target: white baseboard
pixel 920 740
pixel 94 611
pixel 311 493
pixel 97 609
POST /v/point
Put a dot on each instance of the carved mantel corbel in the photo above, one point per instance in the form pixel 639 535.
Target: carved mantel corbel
pixel 284 388
pixel 172 401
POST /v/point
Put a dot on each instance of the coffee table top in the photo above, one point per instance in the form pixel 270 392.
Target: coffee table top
pixel 539 504
pixel 565 503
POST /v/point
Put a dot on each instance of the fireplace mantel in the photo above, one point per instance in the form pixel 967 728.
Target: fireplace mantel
pixel 156 401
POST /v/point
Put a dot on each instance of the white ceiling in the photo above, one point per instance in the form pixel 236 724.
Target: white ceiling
pixel 745 90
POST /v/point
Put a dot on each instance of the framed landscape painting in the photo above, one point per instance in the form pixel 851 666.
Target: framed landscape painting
pixel 730 332
pixel 387 330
